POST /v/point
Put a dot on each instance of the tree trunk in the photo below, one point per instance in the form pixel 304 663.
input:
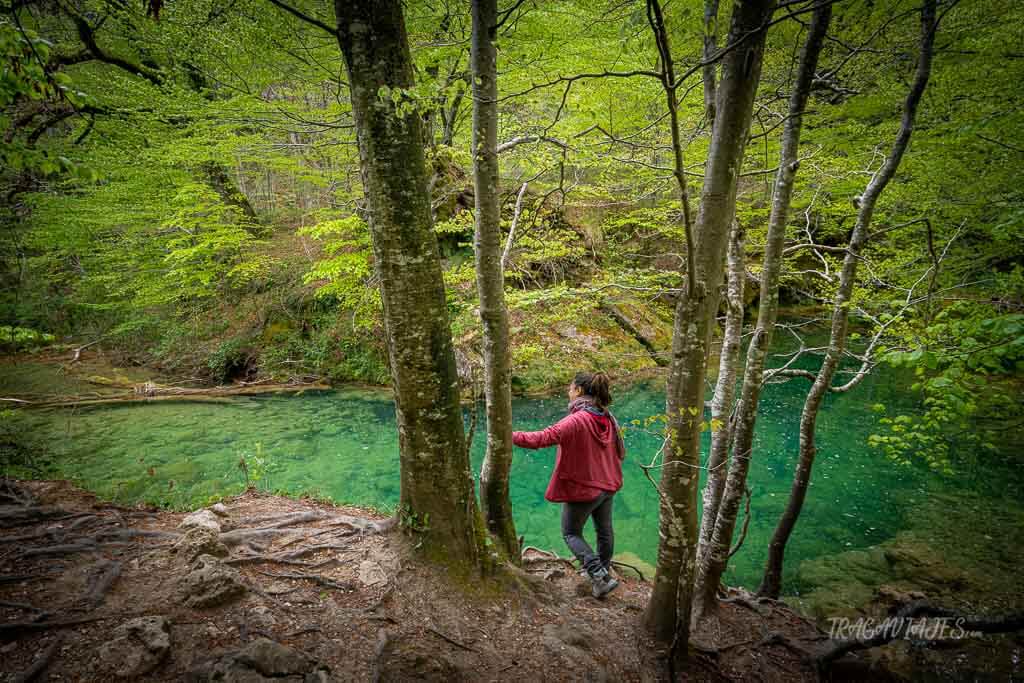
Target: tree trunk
pixel 771 582
pixel 715 556
pixel 494 498
pixel 668 614
pixel 221 181
pixel 725 389
pixel 436 499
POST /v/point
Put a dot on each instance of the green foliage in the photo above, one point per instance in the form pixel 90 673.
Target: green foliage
pixel 22 338
pixel 344 276
pixel 967 374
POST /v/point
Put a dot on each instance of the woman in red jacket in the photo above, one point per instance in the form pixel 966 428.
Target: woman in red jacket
pixel 588 472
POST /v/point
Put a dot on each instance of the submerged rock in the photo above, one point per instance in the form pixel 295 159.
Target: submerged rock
pixel 210 583
pixel 138 647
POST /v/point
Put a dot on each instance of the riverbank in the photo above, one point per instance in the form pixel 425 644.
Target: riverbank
pixel 264 587
pixel 870 537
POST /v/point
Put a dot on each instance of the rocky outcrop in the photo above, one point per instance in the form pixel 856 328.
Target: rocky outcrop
pixel 259 661
pixel 198 541
pixel 209 583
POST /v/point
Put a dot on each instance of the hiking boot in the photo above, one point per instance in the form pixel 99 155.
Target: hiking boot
pixel 602 584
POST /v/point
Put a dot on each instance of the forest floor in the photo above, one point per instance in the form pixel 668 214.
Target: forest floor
pixel 263 587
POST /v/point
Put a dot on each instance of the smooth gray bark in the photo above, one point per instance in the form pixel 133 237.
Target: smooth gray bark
pixel 668 613
pixel 771 582
pixel 437 499
pixel 715 555
pixel 494 498
pixel 725 389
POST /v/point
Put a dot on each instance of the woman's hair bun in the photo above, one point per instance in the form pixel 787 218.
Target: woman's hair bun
pixel 595 385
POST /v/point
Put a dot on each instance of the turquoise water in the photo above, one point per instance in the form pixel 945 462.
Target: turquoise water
pixel 343 445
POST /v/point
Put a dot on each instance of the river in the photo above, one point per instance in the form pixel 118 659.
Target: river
pixel 343 445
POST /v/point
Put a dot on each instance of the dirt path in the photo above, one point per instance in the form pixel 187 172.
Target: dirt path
pixel 265 588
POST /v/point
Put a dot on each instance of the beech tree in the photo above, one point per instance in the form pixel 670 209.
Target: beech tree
pixel 494 497
pixel 771 582
pixel 668 613
pixel 437 498
pixel 721 507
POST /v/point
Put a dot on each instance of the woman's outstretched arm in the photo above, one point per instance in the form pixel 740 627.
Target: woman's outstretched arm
pixel 550 436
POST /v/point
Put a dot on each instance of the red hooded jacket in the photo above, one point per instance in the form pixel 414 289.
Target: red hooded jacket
pixel 589 457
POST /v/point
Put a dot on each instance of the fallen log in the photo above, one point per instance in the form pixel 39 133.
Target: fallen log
pixel 149 392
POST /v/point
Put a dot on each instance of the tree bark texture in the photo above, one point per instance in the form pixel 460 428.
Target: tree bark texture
pixel 494 497
pixel 725 388
pixel 668 613
pixel 771 582
pixel 437 498
pixel 715 556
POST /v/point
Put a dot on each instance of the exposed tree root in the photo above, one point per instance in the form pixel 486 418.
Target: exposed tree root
pixel 19 515
pixel 40 614
pixel 13 493
pixel 21 578
pixel 17 629
pixel 240 536
pixel 279 521
pixel 315 578
pixel 451 640
pixel 629 566
pixel 101 580
pixel 41 663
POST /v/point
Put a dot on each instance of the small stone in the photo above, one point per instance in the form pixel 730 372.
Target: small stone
pixel 138 647
pixel 261 617
pixel 210 583
pixel 203 519
pixel 219 509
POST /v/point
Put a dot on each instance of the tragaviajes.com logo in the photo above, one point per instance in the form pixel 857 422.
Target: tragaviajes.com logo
pixel 908 628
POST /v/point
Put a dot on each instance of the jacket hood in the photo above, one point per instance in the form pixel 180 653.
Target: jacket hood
pixel 600 427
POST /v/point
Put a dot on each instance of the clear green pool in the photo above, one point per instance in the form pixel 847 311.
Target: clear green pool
pixel 343 445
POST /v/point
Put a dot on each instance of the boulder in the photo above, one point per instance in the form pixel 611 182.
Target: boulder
pixel 399 661
pixel 137 648
pixel 261 660
pixel 197 541
pixel 209 583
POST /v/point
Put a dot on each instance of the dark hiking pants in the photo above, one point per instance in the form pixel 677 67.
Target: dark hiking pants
pixel 574 517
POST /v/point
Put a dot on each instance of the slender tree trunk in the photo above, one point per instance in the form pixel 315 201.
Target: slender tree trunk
pixel 725 388
pixel 715 556
pixel 668 614
pixel 771 582
pixel 494 498
pixel 436 499
pixel 730 339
